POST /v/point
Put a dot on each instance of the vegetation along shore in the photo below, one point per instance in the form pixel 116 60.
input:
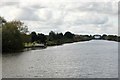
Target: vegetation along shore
pixel 15 37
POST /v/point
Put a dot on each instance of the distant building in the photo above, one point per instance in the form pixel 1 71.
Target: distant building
pixel 97 37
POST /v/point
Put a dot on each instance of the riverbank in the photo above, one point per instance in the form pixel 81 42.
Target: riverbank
pixel 38 48
pixel 29 46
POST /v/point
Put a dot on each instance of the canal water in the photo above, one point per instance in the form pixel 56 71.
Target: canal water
pixel 90 59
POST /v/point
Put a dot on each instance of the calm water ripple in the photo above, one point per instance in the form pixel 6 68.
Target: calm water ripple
pixel 90 59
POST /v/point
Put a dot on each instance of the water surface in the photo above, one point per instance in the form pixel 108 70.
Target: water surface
pixel 90 59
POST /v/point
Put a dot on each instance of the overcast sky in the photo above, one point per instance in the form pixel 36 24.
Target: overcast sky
pixel 76 16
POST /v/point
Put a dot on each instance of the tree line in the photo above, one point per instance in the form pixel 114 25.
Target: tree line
pixel 111 37
pixel 57 38
pixel 15 37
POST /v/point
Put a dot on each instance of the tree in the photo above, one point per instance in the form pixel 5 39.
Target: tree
pixel 33 37
pixel 59 35
pixel 118 39
pixel 52 36
pixel 21 27
pixel 26 38
pixel 112 37
pixel 42 38
pixel 68 35
pixel 11 37
pixel 104 36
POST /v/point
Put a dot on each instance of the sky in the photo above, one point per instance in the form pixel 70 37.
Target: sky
pixel 77 16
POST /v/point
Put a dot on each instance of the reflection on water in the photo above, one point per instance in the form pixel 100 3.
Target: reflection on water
pixel 91 59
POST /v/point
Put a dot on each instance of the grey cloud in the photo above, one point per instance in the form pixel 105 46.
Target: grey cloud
pixel 89 18
pixel 65 16
pixel 38 6
pixel 97 14
pixel 99 7
pixel 95 21
pixel 2 4
pixel 28 14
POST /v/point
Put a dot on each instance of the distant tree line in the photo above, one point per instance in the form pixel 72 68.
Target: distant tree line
pixel 58 38
pixel 110 37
